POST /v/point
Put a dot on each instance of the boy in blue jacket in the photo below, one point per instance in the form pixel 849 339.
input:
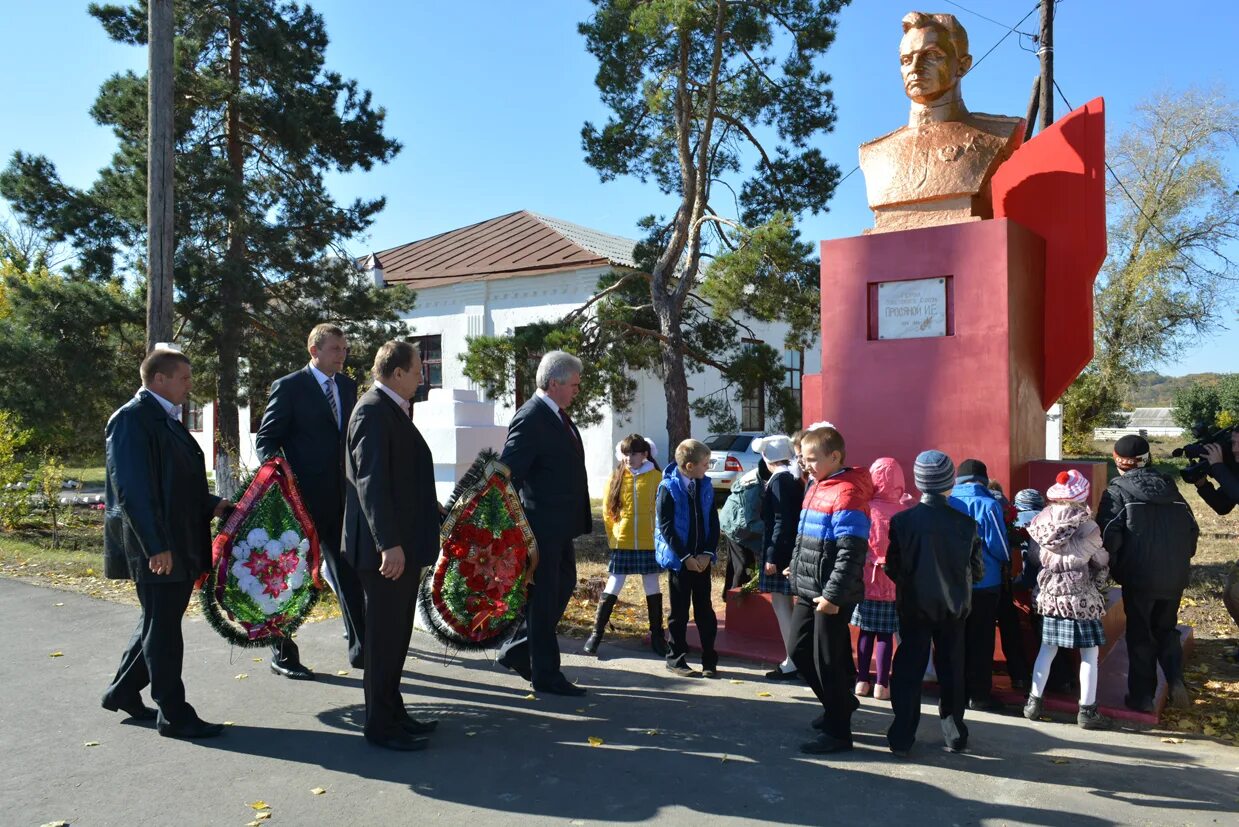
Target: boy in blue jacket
pixel 685 544
pixel 972 492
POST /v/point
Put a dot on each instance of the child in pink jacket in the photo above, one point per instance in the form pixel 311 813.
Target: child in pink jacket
pixel 875 615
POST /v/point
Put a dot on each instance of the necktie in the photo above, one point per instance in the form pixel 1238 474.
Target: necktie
pixel 330 388
pixel 563 416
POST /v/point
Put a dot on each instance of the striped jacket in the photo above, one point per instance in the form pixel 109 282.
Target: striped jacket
pixel 833 539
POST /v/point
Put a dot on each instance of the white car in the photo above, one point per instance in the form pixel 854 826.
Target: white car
pixel 731 456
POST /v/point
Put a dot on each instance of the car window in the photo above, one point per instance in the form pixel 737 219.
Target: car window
pixel 742 442
pixel 720 442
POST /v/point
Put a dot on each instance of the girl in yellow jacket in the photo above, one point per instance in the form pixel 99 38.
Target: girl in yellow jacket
pixel 628 514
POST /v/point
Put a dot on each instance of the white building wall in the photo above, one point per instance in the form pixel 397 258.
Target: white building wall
pixel 499 307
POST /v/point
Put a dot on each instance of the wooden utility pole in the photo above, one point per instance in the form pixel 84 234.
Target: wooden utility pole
pixel 1046 53
pixel 159 175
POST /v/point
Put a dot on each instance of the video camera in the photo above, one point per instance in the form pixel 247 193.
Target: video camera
pixel 1199 469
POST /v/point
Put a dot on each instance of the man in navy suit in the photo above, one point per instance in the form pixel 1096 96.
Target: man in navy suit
pixel 391 532
pixel 547 459
pixel 157 533
pixel 305 420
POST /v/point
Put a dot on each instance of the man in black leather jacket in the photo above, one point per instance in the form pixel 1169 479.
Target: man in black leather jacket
pixel 157 533
pixel 934 557
pixel 1150 532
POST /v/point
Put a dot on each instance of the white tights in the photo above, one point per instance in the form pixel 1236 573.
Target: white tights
pixel 616 582
pixel 1088 672
pixel 782 604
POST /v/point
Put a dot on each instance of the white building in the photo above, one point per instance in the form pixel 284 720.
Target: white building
pixel 492 278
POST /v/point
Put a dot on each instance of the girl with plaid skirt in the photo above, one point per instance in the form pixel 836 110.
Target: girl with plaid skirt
pixel 780 513
pixel 628 516
pixel 1074 568
pixel 875 615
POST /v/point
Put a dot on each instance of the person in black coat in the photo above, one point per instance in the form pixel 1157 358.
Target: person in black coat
pixel 391 530
pixel 934 557
pixel 1226 496
pixel 157 533
pixel 1150 532
pixel 305 420
pixel 547 459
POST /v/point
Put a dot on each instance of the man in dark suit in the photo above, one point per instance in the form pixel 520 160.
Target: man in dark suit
pixel 391 530
pixel 157 533
pixel 547 459
pixel 305 420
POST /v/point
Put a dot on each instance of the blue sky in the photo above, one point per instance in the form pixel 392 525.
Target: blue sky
pixel 488 97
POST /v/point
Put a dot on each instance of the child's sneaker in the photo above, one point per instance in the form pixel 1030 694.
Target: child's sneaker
pixel 1089 718
pixel 1032 707
pixel 863 689
pixel 882 693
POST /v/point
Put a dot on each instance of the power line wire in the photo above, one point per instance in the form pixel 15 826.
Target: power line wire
pixel 1010 30
pixel 983 17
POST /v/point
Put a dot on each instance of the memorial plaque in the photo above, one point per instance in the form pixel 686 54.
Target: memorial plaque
pixel 912 309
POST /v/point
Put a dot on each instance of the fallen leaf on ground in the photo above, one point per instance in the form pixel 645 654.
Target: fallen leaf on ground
pixel 90 572
pixel 57 654
pixel 595 741
pixel 241 677
pixel 724 760
pixel 651 732
pixel 470 734
pixel 58 605
pixel 736 682
pixel 259 805
pixel 763 694
pixel 263 816
pixel 228 723
pixel 317 791
pixel 55 824
pixel 1059 761
pixel 1173 740
pixel 92 743
pixel 257 660
pixel 342 672
pixel 531 697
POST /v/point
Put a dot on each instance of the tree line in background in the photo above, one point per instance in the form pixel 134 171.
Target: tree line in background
pixel 1211 404
pixel 1169 278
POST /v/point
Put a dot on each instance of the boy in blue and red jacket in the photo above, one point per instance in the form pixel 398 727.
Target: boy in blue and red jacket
pixel 685 544
pixel 826 574
pixel 972 491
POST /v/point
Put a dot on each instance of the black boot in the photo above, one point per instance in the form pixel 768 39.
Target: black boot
pixel 605 605
pixel 658 637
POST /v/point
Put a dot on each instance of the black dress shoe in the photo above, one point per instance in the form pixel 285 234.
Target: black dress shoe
pixel 192 729
pixel 563 686
pixel 682 669
pixel 412 726
pixel 400 743
pixel 711 672
pixel 516 666
pixel 985 705
pixel 134 709
pixel 825 745
pixel 1138 704
pixel 819 721
pixel 901 752
pixel 296 671
pixel 777 674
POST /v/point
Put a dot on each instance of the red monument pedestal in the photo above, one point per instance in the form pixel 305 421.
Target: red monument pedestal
pixel 932 338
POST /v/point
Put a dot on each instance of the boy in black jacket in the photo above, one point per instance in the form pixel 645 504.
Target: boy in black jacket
pixel 934 557
pixel 1151 533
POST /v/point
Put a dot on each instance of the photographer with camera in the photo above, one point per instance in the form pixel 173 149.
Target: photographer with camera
pixel 1215 463
pixel 1151 534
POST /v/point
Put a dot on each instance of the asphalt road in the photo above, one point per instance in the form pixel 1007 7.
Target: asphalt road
pixel 670 750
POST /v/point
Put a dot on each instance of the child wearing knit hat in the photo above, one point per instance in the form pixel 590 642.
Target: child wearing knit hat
pixel 1074 568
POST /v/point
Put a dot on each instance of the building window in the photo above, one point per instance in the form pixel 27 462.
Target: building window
pixel 525 381
pixel 753 405
pixel 193 415
pixel 431 348
pixel 793 365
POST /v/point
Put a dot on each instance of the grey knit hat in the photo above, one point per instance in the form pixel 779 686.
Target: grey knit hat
pixel 934 472
pixel 1029 499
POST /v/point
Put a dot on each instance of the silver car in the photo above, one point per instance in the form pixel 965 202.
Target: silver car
pixel 731 456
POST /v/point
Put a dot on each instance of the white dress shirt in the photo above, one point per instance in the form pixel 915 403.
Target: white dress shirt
pixel 171 410
pixel 395 397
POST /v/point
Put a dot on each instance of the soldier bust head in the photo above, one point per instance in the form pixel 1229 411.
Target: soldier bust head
pixel 936 170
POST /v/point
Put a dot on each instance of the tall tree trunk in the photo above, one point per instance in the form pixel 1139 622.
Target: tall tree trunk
pixel 228 337
pixel 675 378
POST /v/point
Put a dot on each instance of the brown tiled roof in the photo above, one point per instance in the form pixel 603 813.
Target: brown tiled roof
pixel 517 244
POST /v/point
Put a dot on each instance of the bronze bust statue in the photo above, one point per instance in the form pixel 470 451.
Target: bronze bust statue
pixel 937 169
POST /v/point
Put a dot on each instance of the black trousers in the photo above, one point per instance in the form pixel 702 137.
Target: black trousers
pixel 740 562
pixel 554 582
pixel 979 645
pixel 1012 640
pixel 352 599
pixel 155 653
pixel 911 658
pixel 389 619
pixel 821 647
pixel 691 588
pixel 1152 639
